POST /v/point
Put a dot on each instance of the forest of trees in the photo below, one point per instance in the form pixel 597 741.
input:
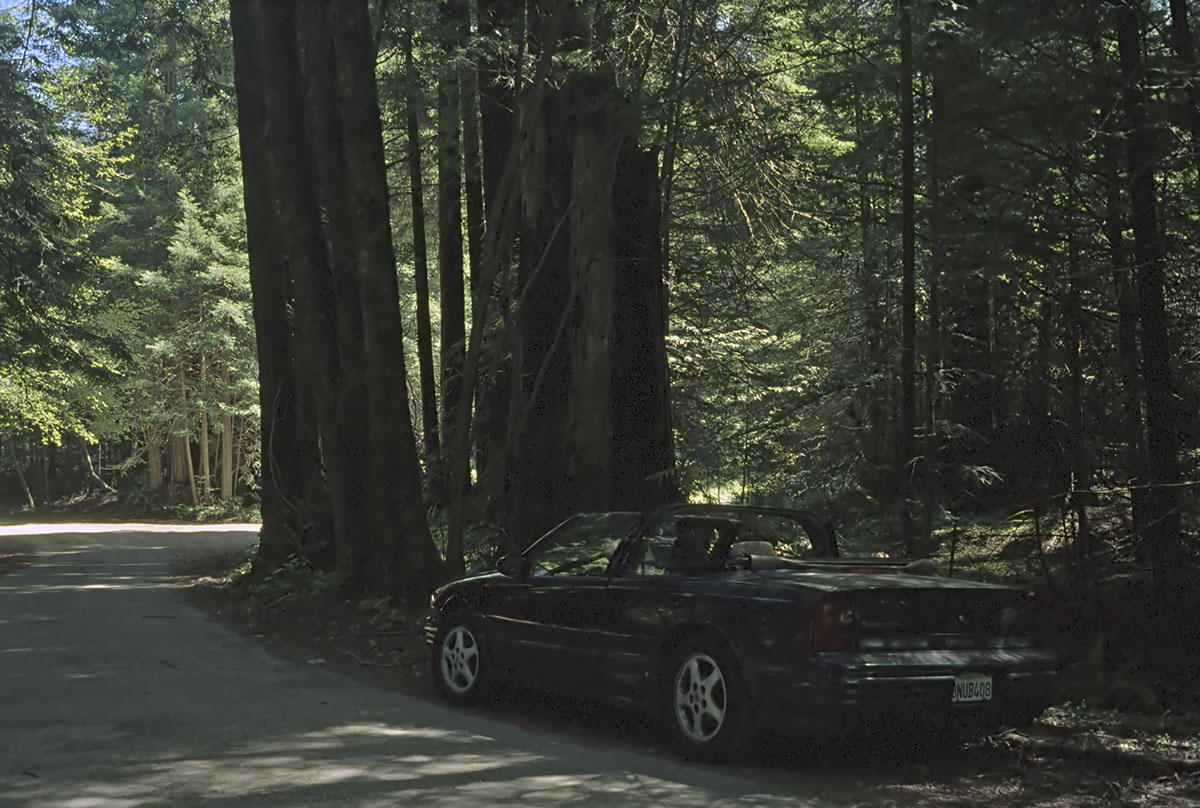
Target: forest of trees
pixel 420 278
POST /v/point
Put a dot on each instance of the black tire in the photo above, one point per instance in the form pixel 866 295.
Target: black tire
pixel 459 662
pixel 707 712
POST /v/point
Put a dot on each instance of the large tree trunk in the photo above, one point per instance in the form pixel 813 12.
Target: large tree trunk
pixel 643 466
pixel 538 424
pixel 290 488
pixel 588 418
pixel 589 428
pixel 1162 444
pixel 965 300
pixel 297 205
pixel 450 249
pixel 590 424
pixel 343 271
pixel 401 555
pixel 325 128
pixel 1123 290
pixel 498 22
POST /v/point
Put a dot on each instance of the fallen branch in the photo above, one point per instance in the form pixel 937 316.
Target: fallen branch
pixel 1100 754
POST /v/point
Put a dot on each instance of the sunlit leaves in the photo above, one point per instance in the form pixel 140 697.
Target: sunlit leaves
pixel 118 284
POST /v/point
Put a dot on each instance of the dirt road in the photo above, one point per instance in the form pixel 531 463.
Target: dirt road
pixel 116 692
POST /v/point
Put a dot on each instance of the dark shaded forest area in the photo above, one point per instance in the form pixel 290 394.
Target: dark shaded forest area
pixel 418 279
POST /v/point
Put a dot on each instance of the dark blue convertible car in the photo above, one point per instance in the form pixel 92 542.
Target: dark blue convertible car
pixel 724 619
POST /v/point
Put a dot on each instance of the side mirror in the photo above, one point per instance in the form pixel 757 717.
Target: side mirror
pixel 513 566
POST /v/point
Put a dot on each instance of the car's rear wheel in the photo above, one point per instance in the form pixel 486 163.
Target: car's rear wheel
pixel 459 662
pixel 708 712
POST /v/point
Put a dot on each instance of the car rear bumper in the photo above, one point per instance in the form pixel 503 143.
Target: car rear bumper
pixel 843 692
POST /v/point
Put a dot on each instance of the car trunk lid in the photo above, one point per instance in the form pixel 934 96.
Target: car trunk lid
pixel 918 617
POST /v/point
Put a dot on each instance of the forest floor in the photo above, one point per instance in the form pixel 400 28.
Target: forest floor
pixel 1071 757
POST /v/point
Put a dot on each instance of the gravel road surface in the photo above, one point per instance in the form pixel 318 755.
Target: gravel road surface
pixel 115 692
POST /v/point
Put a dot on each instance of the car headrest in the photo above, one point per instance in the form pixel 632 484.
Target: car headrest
pixel 748 548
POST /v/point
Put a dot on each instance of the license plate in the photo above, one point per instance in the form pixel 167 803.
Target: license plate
pixel 970 687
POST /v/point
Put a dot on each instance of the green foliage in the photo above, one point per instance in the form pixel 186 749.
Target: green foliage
pixel 483 543
pixel 135 327
pixel 243 566
pixel 41 208
pixel 294 576
pixel 192 310
pixel 55 365
pixel 232 511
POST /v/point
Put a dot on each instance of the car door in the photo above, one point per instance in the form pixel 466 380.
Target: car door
pixel 558 625
pixel 563 634
pixel 644 598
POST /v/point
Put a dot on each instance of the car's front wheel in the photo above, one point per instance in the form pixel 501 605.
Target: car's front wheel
pixel 708 712
pixel 459 663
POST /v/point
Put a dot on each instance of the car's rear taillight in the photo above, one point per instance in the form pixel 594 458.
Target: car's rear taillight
pixel 833 624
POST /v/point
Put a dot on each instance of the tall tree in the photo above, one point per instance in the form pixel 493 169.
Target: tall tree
pixel 569 308
pixel 292 493
pixel 323 152
pixel 905 455
pixel 1162 443
pixel 499 31
pixel 407 562
pixel 452 22
pixel 427 374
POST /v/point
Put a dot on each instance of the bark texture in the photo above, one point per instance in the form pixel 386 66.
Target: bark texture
pixel 320 249
pixel 1161 502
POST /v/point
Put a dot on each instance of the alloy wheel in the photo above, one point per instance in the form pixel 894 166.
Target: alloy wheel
pixel 700 698
pixel 459 664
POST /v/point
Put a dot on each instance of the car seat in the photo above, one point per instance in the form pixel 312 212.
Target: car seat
pixel 752 547
pixel 690 548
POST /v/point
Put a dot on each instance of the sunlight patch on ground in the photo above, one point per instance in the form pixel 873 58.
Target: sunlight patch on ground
pixel 380 765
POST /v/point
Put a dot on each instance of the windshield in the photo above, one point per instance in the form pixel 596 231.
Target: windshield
pixel 582 545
